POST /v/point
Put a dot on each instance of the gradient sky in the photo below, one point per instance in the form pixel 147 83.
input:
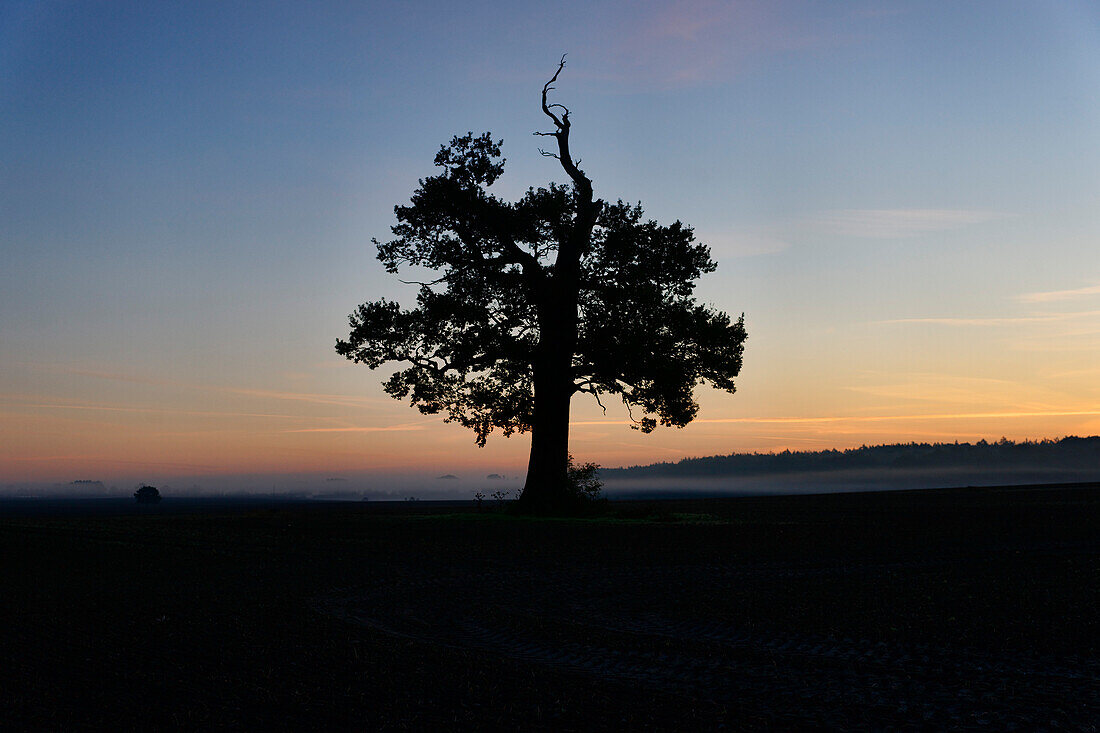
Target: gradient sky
pixel 903 198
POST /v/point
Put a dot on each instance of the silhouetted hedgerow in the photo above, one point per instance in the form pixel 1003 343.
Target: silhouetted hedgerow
pixel 1068 452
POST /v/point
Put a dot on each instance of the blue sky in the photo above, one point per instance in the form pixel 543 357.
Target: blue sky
pixel 903 198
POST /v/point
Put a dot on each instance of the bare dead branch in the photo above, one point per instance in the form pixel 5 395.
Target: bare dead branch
pixel 560 122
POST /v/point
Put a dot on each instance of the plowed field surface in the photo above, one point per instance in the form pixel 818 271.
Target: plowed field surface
pixel 965 609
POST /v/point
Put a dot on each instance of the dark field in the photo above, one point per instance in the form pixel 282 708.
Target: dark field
pixel 973 608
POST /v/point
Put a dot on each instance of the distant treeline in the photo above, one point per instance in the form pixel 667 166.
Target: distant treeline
pixel 1069 452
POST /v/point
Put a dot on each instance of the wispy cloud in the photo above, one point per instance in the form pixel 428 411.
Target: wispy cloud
pixel 38 403
pixel 310 397
pixel 878 11
pixel 1007 321
pixel 900 223
pixel 364 429
pixel 1054 295
pixel 688 42
pixel 948 388
pixel 794 439
pixel 314 398
pixel 672 44
pixel 1071 373
pixel 1060 343
pixel 874 418
pixel 93 460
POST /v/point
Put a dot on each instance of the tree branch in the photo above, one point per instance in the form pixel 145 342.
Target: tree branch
pixel 512 253
pixel 561 123
pixel 516 255
pixel 581 181
pixel 441 366
pixel 596 394
pixel 589 388
pixel 423 284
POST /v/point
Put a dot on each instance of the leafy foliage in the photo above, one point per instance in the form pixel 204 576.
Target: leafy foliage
pixel 584 480
pixel 470 342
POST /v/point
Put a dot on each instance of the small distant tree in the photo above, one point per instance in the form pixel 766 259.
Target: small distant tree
pixel 534 301
pixel 147 495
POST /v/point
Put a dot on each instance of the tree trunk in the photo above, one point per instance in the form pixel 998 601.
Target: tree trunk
pixel 547 488
pixel 547 485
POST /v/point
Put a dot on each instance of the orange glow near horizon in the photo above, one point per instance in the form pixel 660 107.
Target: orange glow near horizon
pixel 870 382
pixel 119 427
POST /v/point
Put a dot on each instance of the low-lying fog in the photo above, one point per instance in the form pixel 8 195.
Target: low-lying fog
pixel 840 481
pixel 463 486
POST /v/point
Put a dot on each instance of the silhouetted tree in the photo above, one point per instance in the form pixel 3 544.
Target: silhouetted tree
pixel 534 301
pixel 147 495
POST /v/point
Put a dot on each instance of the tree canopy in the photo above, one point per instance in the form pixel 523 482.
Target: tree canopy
pixel 584 295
